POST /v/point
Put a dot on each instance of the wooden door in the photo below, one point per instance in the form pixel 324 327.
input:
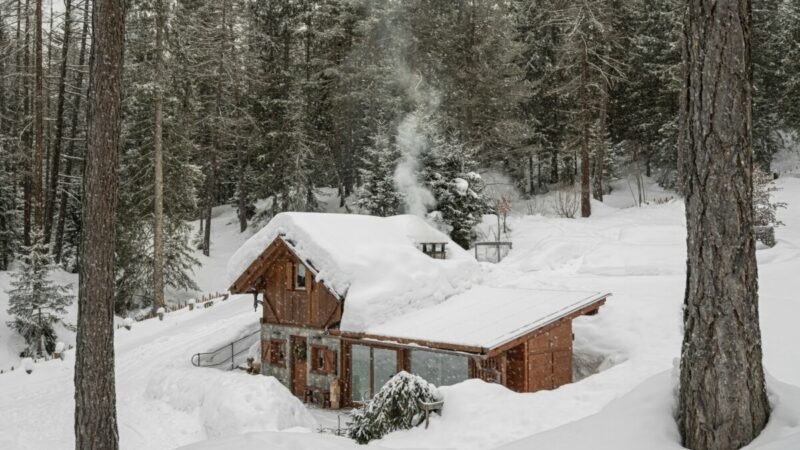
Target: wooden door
pixel 299 367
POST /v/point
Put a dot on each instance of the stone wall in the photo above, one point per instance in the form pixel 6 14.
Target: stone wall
pixel 313 337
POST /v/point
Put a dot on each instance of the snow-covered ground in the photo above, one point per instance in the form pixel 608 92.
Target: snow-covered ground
pixel 626 354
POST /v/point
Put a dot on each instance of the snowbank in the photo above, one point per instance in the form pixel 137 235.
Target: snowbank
pixel 279 441
pixel 374 261
pixel 644 418
pixel 230 403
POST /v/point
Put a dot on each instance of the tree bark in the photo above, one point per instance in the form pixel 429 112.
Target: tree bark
pixel 722 401
pixel 56 152
pixel 158 188
pixel 95 396
pixel 38 120
pixel 586 206
pixel 209 203
pixel 27 179
pixel 600 155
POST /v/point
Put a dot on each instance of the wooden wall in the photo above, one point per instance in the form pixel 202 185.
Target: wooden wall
pixel 542 362
pixel 314 307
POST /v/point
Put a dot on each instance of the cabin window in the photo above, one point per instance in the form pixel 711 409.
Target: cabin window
pixel 441 369
pixel 277 355
pixel 370 369
pixel 299 276
pixel 323 360
pixel 360 373
pixel 384 366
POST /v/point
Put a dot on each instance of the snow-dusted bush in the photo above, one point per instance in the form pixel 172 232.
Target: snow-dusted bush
pixel 566 202
pixel 395 407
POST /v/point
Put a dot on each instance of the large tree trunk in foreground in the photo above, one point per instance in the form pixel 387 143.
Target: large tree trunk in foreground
pixel 723 401
pixel 95 396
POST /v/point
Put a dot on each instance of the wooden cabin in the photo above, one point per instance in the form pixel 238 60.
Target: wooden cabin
pixel 521 338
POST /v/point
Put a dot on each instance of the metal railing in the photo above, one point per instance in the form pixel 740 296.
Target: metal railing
pixel 229 356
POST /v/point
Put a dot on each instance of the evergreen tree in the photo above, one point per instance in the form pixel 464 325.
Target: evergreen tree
pixel 134 239
pixel 8 210
pixel 765 209
pixel 378 193
pixel 448 171
pixel 36 302
pixel 395 407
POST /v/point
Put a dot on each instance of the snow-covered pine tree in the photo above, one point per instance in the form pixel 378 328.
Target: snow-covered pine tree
pixel 764 207
pixel 135 207
pixel 8 210
pixel 35 302
pixel 448 171
pixel 378 193
pixel 394 407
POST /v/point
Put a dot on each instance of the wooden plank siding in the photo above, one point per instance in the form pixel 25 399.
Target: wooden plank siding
pixel 272 274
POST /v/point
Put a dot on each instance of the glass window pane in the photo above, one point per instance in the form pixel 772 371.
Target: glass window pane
pixel 300 282
pixel 441 369
pixel 384 366
pixel 359 373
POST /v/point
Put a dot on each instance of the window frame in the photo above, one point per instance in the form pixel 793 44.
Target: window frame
pixel 280 360
pixel 296 277
pixel 317 365
pixel 372 388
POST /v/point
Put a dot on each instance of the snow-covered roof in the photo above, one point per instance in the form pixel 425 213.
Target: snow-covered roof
pixel 371 261
pixel 486 317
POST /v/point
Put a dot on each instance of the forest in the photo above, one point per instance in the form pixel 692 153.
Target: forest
pixel 395 104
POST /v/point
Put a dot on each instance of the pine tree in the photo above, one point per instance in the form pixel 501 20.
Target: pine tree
pixel 722 398
pixel 395 407
pixel 8 210
pixel 448 171
pixel 135 261
pixel 378 193
pixel 765 209
pixel 36 302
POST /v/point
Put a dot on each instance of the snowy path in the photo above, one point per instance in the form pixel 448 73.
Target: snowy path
pixel 37 409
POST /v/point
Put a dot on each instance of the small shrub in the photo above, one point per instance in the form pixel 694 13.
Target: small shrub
pixel 566 202
pixel 395 407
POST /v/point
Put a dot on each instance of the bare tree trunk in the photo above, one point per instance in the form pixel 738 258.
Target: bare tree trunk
pixel 38 120
pixel 723 401
pixel 26 133
pixel 600 154
pixel 210 180
pixel 56 152
pixel 586 206
pixel 158 188
pixel 95 395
